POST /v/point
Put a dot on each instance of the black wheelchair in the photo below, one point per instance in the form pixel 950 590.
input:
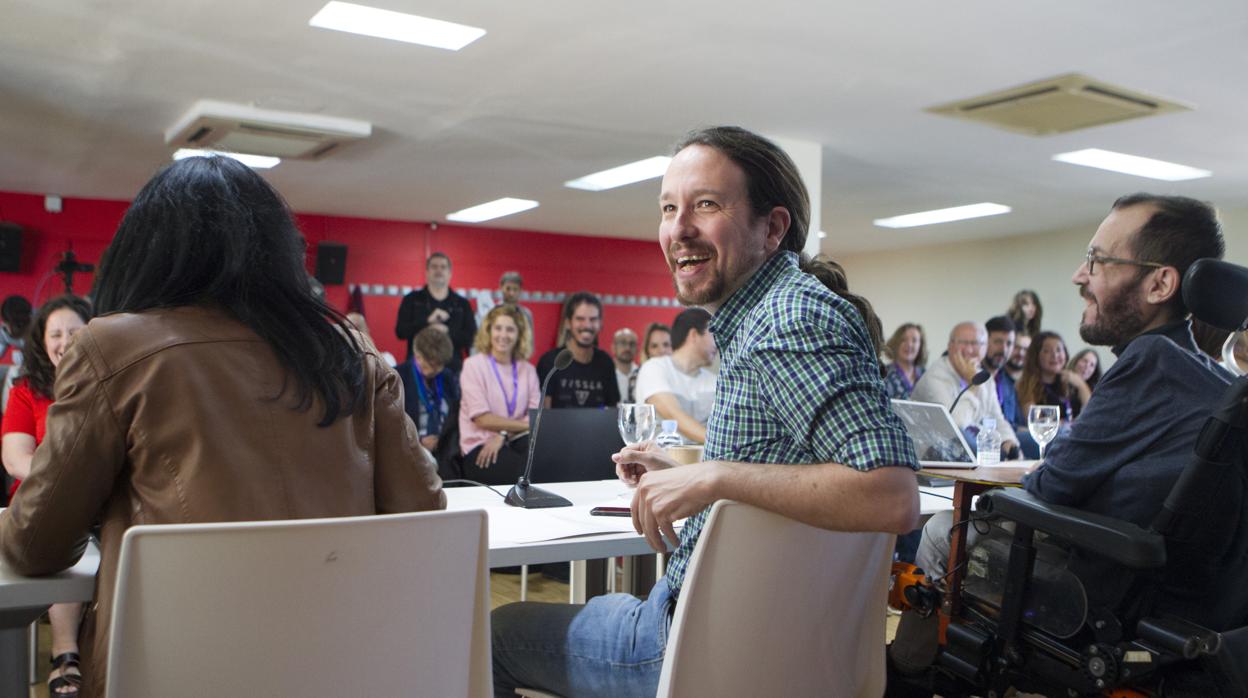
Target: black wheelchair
pixel 1097 606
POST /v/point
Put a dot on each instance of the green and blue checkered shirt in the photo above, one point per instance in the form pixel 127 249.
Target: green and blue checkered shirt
pixel 799 383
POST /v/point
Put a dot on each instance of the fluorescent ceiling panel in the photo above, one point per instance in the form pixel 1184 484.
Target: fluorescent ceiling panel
pixel 943 215
pixel 399 26
pixel 255 162
pixel 624 174
pixel 492 209
pixel 1132 165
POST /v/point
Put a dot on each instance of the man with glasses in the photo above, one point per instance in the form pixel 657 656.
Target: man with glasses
pixel 1137 432
pixel 955 371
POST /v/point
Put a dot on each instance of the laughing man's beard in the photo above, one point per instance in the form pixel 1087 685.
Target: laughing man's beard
pixel 711 293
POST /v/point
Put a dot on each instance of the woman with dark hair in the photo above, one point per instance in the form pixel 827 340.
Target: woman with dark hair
pixel 1046 381
pixel 907 349
pixel 24 425
pixel 1087 365
pixel 658 341
pixel 1026 312
pixel 212 387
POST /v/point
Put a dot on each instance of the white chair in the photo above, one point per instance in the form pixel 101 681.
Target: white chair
pixel 374 605
pixel 773 607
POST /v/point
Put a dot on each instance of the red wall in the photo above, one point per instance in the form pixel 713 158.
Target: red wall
pixel 383 252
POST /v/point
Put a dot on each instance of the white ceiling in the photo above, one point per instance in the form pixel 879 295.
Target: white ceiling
pixel 561 88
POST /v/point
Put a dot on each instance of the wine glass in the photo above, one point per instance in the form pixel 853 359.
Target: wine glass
pixel 1043 422
pixel 637 422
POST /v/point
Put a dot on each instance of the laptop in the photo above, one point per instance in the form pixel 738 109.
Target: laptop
pixel 937 440
pixel 576 443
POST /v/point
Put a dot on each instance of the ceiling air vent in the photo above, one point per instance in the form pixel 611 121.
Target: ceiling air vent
pixel 238 128
pixel 1058 105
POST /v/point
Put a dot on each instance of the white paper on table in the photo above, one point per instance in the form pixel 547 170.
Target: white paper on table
pixel 514 525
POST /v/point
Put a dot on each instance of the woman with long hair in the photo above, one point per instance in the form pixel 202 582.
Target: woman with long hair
pixel 906 349
pixel 1046 381
pixel 1026 312
pixel 25 420
pixel 1087 365
pixel 498 387
pixel 212 386
pixel 658 341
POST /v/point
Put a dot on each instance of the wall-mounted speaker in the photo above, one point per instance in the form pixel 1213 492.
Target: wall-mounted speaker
pixel 331 262
pixel 10 247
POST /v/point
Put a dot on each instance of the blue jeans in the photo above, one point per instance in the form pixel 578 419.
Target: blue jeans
pixel 612 646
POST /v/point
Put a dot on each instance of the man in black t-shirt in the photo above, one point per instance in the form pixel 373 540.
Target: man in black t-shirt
pixel 590 380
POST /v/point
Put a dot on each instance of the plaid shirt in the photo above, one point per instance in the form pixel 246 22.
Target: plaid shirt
pixel 798 383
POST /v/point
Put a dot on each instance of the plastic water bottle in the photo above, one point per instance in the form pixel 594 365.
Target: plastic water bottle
pixel 988 443
pixel 668 436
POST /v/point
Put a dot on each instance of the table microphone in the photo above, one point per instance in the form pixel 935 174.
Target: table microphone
pixel 522 494
pixel 978 379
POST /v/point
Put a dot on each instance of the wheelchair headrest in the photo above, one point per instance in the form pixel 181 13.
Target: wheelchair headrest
pixel 1217 293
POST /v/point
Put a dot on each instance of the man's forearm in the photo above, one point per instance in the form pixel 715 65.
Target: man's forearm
pixel 826 495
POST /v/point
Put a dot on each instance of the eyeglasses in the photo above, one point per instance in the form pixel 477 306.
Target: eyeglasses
pixel 1094 259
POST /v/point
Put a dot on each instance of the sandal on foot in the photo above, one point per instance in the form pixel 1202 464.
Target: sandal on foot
pixel 66 662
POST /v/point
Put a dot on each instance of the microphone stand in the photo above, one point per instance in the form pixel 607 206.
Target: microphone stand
pixel 523 494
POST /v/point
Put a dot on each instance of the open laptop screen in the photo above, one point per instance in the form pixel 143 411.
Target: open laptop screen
pixel 936 438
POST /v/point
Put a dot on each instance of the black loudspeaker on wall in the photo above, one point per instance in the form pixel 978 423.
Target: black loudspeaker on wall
pixel 10 247
pixel 331 262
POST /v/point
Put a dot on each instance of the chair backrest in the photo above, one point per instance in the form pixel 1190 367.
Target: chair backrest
pixel 372 605
pixel 771 606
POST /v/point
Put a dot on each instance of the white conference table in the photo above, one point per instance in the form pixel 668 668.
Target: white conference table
pixel 517 537
pixel 22 600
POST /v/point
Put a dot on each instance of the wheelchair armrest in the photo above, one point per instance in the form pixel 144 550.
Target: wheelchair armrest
pixel 1120 541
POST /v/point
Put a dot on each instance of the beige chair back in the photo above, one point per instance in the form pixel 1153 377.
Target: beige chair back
pixel 773 607
pixel 375 605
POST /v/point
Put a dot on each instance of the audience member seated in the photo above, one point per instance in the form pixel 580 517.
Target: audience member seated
pixel 14 319
pixel 590 380
pixel 1047 381
pixel 907 352
pixel 431 398
pixel 357 319
pixel 1001 337
pixel 658 341
pixel 499 388
pixel 953 372
pixel 1123 455
pixel 679 386
pixel 212 387
pixel 25 421
pixel 1026 312
pixel 436 305
pixel 1087 365
pixel 624 351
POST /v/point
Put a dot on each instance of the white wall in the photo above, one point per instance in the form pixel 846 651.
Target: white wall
pixel 939 286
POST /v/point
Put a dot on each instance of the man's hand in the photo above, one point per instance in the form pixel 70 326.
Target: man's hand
pixel 430 442
pixel 438 317
pixel 667 495
pixel 634 461
pixel 489 452
pixel 965 368
pixel 1010 450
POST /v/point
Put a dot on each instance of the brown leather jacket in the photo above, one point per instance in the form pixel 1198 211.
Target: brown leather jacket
pixel 170 416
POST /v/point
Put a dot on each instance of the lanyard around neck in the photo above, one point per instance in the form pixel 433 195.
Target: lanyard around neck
pixel 515 385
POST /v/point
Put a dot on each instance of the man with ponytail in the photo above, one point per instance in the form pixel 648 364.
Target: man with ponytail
pixel 801 424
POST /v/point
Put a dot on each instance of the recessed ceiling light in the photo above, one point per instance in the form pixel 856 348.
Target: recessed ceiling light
pixel 255 162
pixel 1132 165
pixel 492 209
pixel 624 174
pixel 399 26
pixel 943 215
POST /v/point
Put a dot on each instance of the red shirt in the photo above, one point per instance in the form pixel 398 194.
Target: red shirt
pixel 27 413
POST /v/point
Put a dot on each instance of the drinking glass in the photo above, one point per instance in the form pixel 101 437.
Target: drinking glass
pixel 1043 422
pixel 637 423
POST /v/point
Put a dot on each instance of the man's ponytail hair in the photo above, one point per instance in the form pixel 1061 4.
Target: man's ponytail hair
pixel 832 275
